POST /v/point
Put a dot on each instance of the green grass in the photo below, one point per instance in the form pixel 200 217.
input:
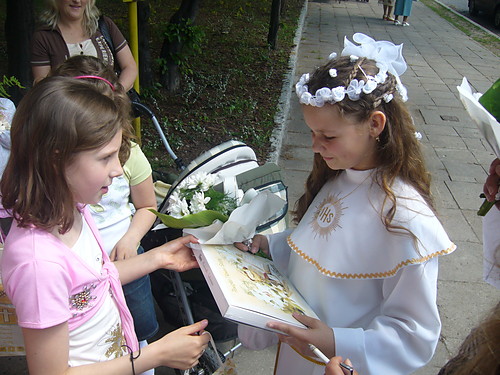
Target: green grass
pixel 230 90
pixel 233 86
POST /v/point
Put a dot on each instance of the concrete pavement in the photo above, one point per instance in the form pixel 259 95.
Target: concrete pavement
pixel 438 57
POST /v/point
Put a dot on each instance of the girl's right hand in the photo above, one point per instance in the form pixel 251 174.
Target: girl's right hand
pixel 317 333
pixel 258 242
pixel 333 367
pixel 182 348
pixel 176 255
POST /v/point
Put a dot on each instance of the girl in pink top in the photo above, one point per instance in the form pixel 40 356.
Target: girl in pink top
pixel 66 138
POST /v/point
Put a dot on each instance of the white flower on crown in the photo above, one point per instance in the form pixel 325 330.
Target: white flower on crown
pixel 338 93
pixel 324 93
pixel 402 90
pixel 370 85
pixel 388 58
pixel 307 98
pixel 301 86
pixel 354 89
pixel 381 76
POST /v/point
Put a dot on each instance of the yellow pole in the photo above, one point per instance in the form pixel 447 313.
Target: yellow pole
pixel 134 47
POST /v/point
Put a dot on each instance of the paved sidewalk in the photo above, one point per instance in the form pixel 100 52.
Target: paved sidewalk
pixel 438 57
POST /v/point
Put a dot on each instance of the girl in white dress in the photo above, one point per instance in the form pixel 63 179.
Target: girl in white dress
pixel 365 251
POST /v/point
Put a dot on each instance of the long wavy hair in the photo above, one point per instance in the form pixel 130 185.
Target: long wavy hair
pixel 398 154
pixel 81 65
pixel 58 118
pixel 90 20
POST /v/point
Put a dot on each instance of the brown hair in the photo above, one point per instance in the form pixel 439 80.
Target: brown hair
pixel 57 118
pixel 479 354
pixel 398 155
pixel 89 65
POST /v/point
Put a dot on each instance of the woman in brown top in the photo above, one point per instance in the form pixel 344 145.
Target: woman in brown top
pixel 71 28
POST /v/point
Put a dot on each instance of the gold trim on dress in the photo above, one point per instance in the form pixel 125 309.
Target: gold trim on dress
pixel 374 275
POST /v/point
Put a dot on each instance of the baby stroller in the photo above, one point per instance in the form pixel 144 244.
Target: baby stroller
pixel 185 297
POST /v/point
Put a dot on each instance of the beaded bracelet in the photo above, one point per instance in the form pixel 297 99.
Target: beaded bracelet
pixel 132 356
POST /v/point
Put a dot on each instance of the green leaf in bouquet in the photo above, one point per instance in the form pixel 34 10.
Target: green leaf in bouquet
pixel 491 100
pixel 200 219
pixel 485 207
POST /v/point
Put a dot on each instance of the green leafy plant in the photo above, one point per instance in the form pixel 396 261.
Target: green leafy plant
pixel 235 66
pixel 491 100
pixel 189 36
pixel 8 82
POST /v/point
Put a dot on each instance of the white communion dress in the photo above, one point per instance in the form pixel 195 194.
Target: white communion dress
pixel 375 287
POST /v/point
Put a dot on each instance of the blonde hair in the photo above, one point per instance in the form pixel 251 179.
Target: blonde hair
pixel 90 20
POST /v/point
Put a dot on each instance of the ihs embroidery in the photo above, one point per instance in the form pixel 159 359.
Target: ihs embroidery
pixel 327 216
pixel 81 300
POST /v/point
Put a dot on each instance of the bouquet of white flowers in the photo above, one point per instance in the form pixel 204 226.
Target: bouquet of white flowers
pixel 195 203
pixel 217 217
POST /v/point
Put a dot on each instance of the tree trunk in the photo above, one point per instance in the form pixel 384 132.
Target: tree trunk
pixel 274 24
pixel 283 7
pixel 170 78
pixel 145 72
pixel 19 26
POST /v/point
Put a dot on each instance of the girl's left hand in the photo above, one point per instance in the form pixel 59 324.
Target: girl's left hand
pixel 317 333
pixel 177 256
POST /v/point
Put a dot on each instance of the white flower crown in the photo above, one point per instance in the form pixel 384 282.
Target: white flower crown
pixel 387 55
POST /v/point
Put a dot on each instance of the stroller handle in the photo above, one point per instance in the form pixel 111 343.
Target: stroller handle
pixel 142 109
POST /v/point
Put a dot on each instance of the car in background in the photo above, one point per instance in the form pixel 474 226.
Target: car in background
pixel 490 8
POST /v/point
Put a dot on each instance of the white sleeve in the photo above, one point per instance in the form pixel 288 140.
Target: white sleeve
pixel 404 336
pixel 279 249
pixel 491 245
